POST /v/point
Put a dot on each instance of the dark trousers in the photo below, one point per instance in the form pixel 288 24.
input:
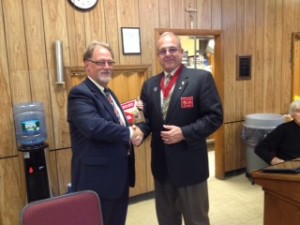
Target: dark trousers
pixel 173 203
pixel 114 211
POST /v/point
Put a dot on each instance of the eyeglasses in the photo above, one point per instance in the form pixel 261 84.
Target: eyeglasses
pixel 171 50
pixel 103 63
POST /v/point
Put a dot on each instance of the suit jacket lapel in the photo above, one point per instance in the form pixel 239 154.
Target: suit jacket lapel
pixel 100 96
pixel 157 93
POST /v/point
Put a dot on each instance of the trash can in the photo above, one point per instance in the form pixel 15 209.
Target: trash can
pixel 256 126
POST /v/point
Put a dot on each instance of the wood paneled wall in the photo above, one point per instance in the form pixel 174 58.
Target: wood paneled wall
pixel 28 30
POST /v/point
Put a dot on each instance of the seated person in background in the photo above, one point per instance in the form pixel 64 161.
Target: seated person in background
pixel 283 143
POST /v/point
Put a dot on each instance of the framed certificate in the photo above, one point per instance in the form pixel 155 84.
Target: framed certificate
pixel 131 40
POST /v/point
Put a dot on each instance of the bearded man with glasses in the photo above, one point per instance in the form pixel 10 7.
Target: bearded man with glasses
pixel 102 152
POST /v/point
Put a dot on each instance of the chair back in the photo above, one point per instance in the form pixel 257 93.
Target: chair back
pixel 77 208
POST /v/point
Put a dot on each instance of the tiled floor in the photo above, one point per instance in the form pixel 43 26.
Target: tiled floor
pixel 233 201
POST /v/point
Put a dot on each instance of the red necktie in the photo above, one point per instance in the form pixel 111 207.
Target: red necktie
pixel 111 101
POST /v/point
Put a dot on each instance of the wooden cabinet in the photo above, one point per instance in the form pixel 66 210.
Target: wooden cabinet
pixel 282 197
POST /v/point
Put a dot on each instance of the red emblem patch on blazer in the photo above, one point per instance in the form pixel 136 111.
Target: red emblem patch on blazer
pixel 187 102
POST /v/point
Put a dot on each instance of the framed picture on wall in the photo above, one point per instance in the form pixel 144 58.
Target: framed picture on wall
pixel 243 67
pixel 131 40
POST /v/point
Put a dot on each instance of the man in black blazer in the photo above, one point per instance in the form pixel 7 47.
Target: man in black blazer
pixel 102 154
pixel 181 112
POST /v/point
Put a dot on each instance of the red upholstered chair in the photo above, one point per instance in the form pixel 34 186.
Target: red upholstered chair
pixel 77 208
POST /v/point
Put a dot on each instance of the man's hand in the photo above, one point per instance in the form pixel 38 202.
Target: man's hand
pixel 139 104
pixel 172 134
pixel 276 160
pixel 137 136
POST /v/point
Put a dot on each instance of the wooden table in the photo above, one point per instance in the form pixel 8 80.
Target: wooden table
pixel 282 197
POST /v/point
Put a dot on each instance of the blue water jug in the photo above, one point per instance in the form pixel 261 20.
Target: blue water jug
pixel 30 123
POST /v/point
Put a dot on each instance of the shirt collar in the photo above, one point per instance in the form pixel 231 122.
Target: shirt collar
pixel 172 73
pixel 101 88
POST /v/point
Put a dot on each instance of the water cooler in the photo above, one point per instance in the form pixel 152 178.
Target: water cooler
pixel 31 136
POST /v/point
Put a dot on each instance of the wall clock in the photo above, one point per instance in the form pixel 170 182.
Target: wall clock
pixel 84 4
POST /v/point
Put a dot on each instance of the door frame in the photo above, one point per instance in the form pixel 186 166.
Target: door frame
pixel 296 64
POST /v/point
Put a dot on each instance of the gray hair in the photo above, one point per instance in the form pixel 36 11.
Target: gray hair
pixel 90 49
pixel 294 106
pixel 170 34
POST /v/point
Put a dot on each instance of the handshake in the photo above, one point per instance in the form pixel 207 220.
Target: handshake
pixel 137 135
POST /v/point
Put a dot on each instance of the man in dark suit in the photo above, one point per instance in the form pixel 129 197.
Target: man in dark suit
pixel 103 157
pixel 181 112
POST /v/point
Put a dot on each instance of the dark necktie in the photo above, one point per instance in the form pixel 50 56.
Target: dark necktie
pixel 113 104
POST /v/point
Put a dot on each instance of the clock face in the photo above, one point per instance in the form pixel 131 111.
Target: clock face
pixel 84 4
